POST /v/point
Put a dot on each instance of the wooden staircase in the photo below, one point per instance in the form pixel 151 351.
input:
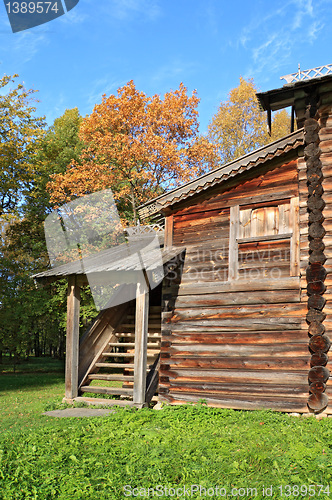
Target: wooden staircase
pixel 113 367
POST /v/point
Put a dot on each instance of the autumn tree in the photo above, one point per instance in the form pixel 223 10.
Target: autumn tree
pixel 239 126
pixel 35 318
pixel 137 145
pixel 20 131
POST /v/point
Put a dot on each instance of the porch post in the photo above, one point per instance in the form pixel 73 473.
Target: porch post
pixel 72 338
pixel 141 336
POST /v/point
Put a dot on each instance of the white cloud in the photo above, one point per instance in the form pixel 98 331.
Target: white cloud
pixel 74 16
pixel 102 86
pixel 273 39
pixel 26 44
pixel 176 68
pixel 314 30
pixel 124 10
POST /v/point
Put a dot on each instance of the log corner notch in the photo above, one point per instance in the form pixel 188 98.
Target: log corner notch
pixel 319 343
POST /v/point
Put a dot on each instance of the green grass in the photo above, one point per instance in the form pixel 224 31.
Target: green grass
pixel 45 458
pixel 33 365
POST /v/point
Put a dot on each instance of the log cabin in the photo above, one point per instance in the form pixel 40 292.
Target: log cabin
pixel 242 316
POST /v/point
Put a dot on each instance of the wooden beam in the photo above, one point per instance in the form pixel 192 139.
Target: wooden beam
pixel 72 338
pixel 268 237
pixel 292 128
pixel 169 231
pixel 269 121
pixel 233 263
pixel 295 240
pixel 141 336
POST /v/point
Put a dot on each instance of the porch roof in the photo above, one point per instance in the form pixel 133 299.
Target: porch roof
pixel 122 258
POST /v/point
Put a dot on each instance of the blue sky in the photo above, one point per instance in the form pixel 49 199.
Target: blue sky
pixel 207 44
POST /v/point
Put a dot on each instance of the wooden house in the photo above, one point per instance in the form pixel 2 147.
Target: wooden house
pixel 241 318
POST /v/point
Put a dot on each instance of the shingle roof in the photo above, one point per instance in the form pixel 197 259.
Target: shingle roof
pixel 221 174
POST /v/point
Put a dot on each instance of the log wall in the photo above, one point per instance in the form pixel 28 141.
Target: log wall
pixel 325 144
pixel 236 343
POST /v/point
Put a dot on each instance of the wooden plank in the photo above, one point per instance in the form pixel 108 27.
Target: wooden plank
pixel 245 223
pixel 286 405
pixel 103 401
pixel 102 331
pixel 190 221
pixel 241 389
pixel 107 390
pixel 168 231
pixel 268 237
pixel 295 240
pixel 250 311
pixel 118 354
pixel 141 336
pixel 191 237
pixel 239 350
pixel 278 183
pixel 268 376
pixel 224 325
pixel 238 298
pixel 292 283
pixel 125 366
pixel 233 245
pixel 72 338
pixel 106 376
pixel 240 363
pixel 235 337
pixel 152 380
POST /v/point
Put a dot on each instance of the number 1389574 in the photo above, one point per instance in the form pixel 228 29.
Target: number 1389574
pixel 304 490
pixel 32 7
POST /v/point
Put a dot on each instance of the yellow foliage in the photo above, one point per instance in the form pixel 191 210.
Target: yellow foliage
pixel 239 126
pixel 137 145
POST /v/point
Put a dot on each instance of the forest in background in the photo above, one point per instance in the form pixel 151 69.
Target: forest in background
pixel 139 146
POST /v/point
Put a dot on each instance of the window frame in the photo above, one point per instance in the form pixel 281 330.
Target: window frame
pixel 293 236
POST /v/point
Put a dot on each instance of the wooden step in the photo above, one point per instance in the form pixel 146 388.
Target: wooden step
pixel 125 366
pixel 114 391
pixel 131 335
pixel 152 310
pixel 106 376
pixel 104 402
pixel 150 345
pixel 155 309
pixel 121 344
pixel 130 355
pixel 119 354
pixel 155 325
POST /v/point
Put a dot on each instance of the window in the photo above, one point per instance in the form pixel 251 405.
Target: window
pixel 264 240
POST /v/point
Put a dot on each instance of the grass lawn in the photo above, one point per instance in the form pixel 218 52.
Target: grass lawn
pixel 258 454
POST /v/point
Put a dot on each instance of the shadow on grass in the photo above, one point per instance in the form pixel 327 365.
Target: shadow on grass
pixel 33 365
pixel 19 381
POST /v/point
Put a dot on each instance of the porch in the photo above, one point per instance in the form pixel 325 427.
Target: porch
pixel 116 361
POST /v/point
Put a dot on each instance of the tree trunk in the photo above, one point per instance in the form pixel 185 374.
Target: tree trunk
pixel 133 204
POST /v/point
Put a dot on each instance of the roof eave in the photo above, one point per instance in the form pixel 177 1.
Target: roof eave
pixel 221 174
pixel 284 97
